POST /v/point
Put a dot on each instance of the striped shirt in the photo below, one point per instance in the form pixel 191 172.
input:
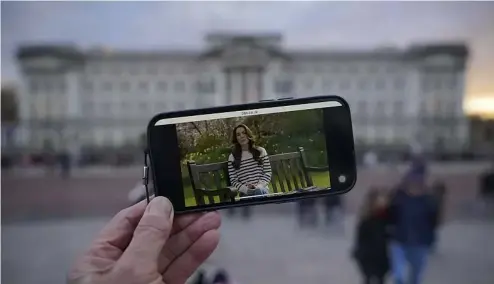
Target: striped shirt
pixel 250 172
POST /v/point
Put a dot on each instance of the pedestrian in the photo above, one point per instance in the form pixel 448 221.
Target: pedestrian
pixel 200 278
pixel 412 213
pixel 332 205
pixel 307 212
pixel 245 212
pixel 211 275
pixel 371 239
pixel 221 277
pixel 65 162
pixel 487 188
pixel 439 192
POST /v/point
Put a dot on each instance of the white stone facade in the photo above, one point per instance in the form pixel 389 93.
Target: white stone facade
pixel 104 98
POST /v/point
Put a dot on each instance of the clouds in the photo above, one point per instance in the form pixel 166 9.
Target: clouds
pixel 144 25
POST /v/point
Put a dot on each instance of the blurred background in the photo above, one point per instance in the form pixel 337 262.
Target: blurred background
pixel 80 80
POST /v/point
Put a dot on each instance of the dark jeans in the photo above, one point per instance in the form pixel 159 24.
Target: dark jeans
pixel 415 255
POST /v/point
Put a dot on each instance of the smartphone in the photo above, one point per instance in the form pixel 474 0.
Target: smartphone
pixel 273 151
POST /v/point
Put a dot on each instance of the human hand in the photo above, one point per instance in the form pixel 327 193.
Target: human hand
pixel 259 186
pixel 146 245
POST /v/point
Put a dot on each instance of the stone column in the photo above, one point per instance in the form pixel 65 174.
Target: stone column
pixel 228 86
pixel 22 135
pixel 245 86
pixel 73 114
pixel 260 84
pixel 236 78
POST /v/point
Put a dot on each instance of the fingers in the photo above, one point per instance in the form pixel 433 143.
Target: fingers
pixel 180 241
pixel 183 221
pixel 183 267
pixel 151 234
pixel 116 235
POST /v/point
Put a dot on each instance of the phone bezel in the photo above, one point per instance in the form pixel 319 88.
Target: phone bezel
pixel 340 150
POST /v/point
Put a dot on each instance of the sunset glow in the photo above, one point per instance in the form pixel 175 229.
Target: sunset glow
pixel 482 105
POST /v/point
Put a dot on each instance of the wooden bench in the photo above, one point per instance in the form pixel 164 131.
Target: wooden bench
pixel 290 172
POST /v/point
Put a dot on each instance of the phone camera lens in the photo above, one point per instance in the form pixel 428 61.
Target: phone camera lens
pixel 342 179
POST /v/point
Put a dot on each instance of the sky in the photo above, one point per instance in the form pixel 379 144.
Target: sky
pixel 159 25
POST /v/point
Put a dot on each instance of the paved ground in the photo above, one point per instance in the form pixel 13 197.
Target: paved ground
pixel 102 192
pixel 46 221
pixel 45 198
pixel 293 256
pixel 42 252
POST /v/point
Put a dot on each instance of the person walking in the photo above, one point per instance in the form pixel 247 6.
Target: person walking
pixel 439 192
pixel 413 213
pixel 332 206
pixel 486 192
pixel 371 239
pixel 307 213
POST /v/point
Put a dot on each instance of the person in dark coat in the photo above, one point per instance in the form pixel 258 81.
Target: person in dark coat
pixel 245 212
pixel 439 192
pixel 307 212
pixel 65 164
pixel 370 249
pixel 413 215
pixel 487 187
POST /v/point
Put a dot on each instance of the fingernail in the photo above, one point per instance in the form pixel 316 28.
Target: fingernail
pixel 160 206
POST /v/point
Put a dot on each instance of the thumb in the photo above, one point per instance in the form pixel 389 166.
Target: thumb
pixel 151 233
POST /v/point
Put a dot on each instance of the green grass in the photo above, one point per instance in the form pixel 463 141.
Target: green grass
pixel 319 179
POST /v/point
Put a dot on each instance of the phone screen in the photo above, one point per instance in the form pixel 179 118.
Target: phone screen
pixel 245 155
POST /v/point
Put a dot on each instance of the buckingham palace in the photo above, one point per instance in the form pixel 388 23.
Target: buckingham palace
pixel 101 97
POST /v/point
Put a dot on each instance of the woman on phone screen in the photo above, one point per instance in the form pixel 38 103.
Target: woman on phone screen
pixel 248 165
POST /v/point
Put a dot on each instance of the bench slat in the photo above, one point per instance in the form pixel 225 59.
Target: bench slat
pixel 300 173
pixel 281 175
pixel 217 179
pixel 274 177
pixel 294 173
pixel 287 173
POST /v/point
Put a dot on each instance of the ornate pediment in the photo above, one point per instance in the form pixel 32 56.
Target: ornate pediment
pixel 244 52
pixel 244 56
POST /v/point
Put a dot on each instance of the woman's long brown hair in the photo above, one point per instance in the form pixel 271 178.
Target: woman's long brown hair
pixel 369 202
pixel 237 149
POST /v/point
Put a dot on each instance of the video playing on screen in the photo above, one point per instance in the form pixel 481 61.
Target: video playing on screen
pixel 252 156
